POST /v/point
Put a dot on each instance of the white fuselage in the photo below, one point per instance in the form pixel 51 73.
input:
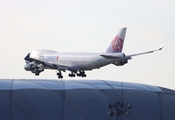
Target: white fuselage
pixel 75 61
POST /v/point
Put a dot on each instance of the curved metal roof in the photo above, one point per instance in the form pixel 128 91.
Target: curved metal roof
pixel 83 100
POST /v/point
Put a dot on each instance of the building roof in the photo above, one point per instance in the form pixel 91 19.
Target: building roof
pixel 31 99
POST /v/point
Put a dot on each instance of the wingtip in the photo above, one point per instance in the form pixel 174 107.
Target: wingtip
pixel 161 47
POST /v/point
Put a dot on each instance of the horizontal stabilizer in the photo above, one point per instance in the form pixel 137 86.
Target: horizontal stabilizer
pixel 113 55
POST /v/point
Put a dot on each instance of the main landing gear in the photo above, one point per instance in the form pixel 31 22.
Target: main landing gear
pixel 59 74
pixel 71 74
pixel 81 73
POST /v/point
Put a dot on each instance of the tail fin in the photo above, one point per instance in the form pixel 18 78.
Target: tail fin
pixel 117 43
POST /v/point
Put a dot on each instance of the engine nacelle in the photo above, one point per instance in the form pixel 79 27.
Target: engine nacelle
pixel 37 70
pixel 120 63
pixel 29 67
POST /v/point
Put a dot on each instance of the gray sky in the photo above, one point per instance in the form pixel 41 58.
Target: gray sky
pixel 90 26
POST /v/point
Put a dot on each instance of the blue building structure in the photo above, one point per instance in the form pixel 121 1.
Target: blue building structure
pixel 33 99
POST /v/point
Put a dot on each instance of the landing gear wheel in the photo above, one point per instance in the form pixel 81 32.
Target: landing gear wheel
pixel 84 75
pixel 81 73
pixel 60 76
pixel 37 74
pixel 71 75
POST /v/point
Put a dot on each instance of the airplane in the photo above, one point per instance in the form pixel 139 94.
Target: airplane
pixel 78 63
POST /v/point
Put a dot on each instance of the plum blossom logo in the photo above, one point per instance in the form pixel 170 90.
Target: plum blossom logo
pixel 117 44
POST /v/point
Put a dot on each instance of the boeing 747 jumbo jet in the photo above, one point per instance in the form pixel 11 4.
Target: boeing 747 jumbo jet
pixel 78 63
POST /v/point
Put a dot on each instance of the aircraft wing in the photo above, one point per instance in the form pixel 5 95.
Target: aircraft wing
pixel 129 56
pixel 121 56
pixel 56 66
pixel 124 60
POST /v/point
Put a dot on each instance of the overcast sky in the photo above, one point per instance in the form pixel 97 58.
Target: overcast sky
pixel 90 26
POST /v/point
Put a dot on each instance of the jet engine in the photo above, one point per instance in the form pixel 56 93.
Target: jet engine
pixel 37 70
pixel 29 67
pixel 120 63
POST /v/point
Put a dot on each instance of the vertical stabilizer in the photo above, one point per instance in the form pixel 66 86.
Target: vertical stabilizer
pixel 117 43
